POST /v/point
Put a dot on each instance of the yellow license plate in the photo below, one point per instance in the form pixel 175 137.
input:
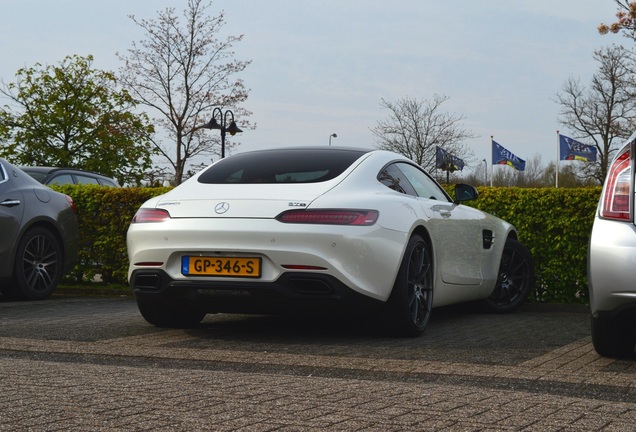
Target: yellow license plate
pixel 221 266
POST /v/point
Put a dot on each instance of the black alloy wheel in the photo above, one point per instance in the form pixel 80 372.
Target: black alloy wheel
pixel 38 267
pixel 515 279
pixel 411 302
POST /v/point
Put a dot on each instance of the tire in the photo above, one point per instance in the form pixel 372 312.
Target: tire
pixel 408 309
pixel 612 337
pixel 38 268
pixel 169 315
pixel 514 281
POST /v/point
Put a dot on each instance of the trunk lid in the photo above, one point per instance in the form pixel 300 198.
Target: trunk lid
pixel 198 200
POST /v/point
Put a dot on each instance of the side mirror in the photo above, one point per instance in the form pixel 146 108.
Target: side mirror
pixel 464 192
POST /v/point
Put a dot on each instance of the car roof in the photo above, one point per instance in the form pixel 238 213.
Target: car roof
pixel 46 172
pixel 333 149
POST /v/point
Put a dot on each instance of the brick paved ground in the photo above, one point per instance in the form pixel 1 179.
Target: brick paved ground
pixel 94 364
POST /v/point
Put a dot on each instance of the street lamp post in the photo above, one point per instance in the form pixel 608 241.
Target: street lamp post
pixel 223 126
pixel 332 135
pixel 486 172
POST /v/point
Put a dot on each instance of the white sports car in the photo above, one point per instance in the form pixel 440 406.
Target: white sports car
pixel 329 228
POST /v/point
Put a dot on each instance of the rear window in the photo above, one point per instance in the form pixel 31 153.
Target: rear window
pixel 86 180
pixel 282 166
pixel 36 175
pixel 61 179
pixel 105 182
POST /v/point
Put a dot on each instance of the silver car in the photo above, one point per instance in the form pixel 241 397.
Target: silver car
pixel 612 260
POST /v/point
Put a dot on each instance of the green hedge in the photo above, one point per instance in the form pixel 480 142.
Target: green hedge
pixel 104 215
pixel 554 223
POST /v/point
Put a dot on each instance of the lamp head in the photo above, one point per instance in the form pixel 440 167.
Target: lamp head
pixel 233 129
pixel 212 124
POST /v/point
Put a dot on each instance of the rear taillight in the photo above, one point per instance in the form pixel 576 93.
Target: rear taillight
pixel 330 217
pixel 148 215
pixel 617 198
pixel 71 203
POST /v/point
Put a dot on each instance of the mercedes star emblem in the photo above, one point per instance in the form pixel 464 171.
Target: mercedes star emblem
pixel 221 207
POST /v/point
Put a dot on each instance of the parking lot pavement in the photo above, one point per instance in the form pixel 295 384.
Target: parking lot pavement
pixel 94 364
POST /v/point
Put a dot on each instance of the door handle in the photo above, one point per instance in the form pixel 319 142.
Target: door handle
pixel 445 214
pixel 10 203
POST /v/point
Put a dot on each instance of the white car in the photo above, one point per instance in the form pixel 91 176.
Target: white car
pixel 611 258
pixel 330 229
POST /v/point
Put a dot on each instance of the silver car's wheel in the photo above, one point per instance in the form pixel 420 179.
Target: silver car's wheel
pixel 612 338
pixel 515 279
pixel 409 307
pixel 38 267
pixel 169 315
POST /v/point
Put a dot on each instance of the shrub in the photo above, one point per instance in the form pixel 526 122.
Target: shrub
pixel 554 223
pixel 104 215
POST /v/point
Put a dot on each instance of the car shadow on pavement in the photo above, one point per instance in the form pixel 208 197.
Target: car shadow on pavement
pixel 453 334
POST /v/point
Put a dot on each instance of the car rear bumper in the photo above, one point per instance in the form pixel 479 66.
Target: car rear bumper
pixel 612 268
pixel 365 259
pixel 290 292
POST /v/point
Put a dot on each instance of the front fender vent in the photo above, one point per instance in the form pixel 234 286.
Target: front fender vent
pixel 489 239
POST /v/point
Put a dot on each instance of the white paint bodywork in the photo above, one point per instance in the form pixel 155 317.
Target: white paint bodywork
pixel 365 258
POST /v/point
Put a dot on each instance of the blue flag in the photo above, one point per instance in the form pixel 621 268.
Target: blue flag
pixel 446 161
pixel 501 156
pixel 570 149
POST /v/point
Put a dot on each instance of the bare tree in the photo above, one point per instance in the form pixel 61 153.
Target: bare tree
pixel 184 71
pixel 605 112
pixel 416 127
pixel 536 175
pixel 503 176
pixel 532 176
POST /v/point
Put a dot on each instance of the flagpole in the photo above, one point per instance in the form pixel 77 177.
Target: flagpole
pixel 491 161
pixel 557 162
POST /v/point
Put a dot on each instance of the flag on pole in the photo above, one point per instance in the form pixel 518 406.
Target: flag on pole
pixel 501 156
pixel 446 161
pixel 573 150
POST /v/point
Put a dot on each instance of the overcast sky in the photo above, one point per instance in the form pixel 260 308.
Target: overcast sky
pixel 323 66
